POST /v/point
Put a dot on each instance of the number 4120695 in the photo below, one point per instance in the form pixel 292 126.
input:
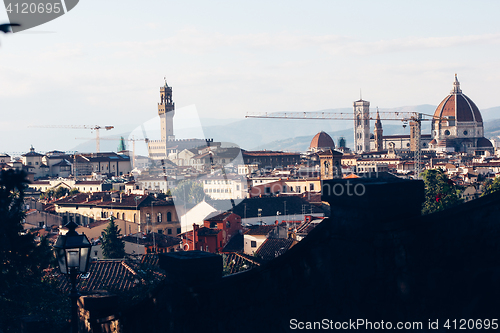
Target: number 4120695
pixel 471 324
pixel 32 8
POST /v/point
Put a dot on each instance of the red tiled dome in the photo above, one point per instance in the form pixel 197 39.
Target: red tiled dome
pixel 459 106
pixel 484 143
pixel 322 140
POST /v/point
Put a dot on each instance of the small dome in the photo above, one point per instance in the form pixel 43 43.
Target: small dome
pixel 484 143
pixel 321 141
pixel 459 106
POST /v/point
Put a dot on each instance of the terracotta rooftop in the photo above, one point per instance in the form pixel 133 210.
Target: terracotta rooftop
pixel 111 275
pixel 267 153
pixel 237 262
pixel 259 229
pixel 274 247
pixel 235 244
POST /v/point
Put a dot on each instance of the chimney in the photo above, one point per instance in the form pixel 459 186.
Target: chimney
pixel 195 235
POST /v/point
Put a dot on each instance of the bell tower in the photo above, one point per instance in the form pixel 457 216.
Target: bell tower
pixel 379 133
pixel 361 126
pixel 166 111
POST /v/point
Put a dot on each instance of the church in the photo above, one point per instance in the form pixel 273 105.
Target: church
pixel 457 126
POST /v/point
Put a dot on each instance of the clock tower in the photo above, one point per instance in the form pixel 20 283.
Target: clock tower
pixel 166 111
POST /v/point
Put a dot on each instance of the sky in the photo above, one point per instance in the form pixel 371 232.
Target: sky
pixel 103 62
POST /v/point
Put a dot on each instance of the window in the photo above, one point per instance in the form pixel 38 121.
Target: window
pixel 178 230
pixel 148 218
pixel 253 244
pixel 158 218
pixel 169 231
pixel 311 186
pixel 169 216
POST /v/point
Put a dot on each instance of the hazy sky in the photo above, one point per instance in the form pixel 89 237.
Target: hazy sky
pixel 103 62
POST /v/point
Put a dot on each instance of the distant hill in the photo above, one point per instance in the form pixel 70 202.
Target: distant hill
pixel 492 128
pixel 290 134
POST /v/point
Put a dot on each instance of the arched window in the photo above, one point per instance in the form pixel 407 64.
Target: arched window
pixel 169 216
pixel 123 216
pixel 135 217
pixel 158 218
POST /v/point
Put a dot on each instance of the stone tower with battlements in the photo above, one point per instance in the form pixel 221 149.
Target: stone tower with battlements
pixel 166 111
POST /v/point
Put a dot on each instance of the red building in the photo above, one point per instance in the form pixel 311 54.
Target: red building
pixel 214 234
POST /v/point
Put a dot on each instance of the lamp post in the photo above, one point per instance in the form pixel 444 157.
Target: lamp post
pixel 73 256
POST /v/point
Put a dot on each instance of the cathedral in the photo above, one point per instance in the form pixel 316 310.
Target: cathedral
pixel 458 126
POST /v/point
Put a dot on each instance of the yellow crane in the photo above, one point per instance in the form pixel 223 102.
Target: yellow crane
pixel 412 117
pixel 118 139
pixel 95 128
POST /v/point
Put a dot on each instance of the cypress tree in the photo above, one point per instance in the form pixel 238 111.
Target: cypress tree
pixel 113 247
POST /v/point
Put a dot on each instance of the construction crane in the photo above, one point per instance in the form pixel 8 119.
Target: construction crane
pixel 118 139
pixel 413 118
pixel 95 128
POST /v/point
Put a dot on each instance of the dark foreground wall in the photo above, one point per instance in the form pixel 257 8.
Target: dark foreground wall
pixel 374 260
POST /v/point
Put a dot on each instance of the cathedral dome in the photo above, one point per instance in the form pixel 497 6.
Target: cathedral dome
pixel 459 106
pixel 321 141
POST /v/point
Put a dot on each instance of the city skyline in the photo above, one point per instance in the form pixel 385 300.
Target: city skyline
pixel 103 64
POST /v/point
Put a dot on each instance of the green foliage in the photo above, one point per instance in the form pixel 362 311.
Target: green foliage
pixel 74 191
pixel 57 193
pixel 189 190
pixel 113 247
pixel 25 288
pixel 440 192
pixel 491 186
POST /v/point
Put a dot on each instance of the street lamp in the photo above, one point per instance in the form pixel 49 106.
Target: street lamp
pixel 73 256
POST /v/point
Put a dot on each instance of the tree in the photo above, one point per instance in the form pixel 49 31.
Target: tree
pixel 57 193
pixel 440 192
pixel 112 246
pixel 61 192
pixel 74 191
pixel 190 191
pixel 25 289
pixel 491 186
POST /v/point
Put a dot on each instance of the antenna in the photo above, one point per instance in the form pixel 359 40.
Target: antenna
pixel 360 95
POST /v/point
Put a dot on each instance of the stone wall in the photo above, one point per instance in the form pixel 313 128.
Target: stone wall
pixel 396 266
